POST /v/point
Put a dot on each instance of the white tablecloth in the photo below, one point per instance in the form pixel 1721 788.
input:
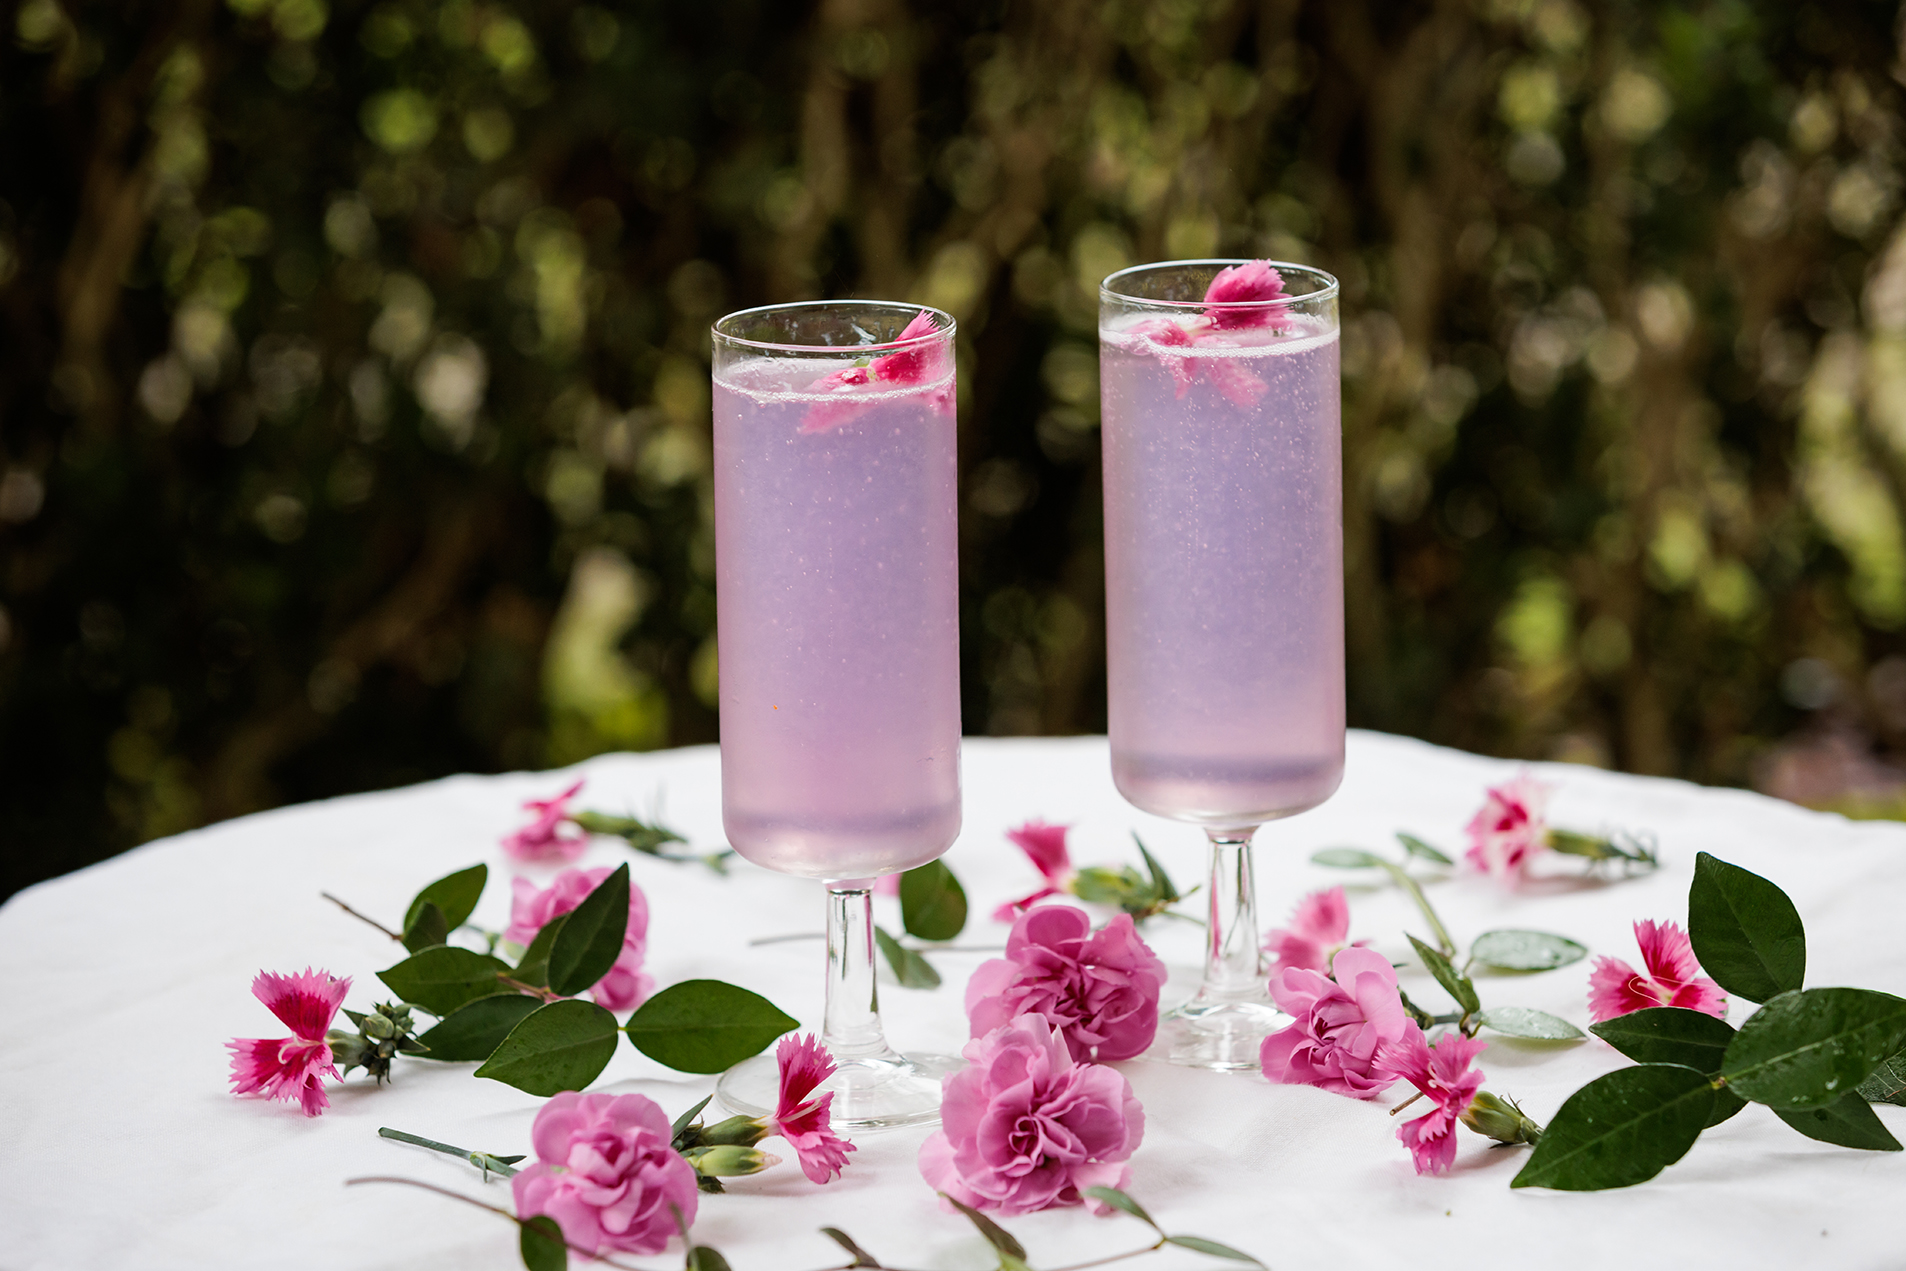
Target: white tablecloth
pixel 124 1151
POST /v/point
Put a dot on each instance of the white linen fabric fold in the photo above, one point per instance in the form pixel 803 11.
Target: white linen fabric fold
pixel 121 1148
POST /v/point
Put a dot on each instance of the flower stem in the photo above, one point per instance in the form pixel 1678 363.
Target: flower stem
pixel 1444 944
pixel 361 918
pixel 1154 1247
pixel 482 1160
pixel 604 1259
pixel 1406 1103
pixel 547 995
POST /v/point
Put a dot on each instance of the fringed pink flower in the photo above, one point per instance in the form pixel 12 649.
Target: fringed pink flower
pixel 1673 977
pixel 800 1117
pixel 1239 298
pixel 1341 1027
pixel 1509 829
pixel 1319 927
pixel 532 908
pixel 891 370
pixel 1045 846
pixel 1442 1076
pixel 1100 989
pixel 1251 286
pixel 291 1067
pixel 542 841
pixel 607 1171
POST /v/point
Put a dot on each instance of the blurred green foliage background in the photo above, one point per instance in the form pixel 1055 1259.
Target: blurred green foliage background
pixel 354 419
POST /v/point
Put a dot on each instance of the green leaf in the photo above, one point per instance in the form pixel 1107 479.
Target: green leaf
pixel 455 894
pixel 1621 1129
pixel 1726 1104
pixel 426 930
pixel 1669 1035
pixel 591 940
pixel 475 1029
pixel 1888 1082
pixel 1417 847
pixel 1212 1247
pixel 562 1046
pixel 932 902
pixel 996 1235
pixel 1119 1200
pixel 912 970
pixel 703 1258
pixel 1848 1122
pixel 687 1118
pixel 861 1257
pixel 541 1244
pixel 533 967
pixel 1804 1050
pixel 705 1025
pixel 1347 858
pixel 444 978
pixel 1521 1021
pixel 1745 931
pixel 1525 950
pixel 1456 985
pixel 1164 891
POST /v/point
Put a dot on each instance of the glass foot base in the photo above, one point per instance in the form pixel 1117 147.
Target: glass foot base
pixel 1225 1035
pixel 869 1094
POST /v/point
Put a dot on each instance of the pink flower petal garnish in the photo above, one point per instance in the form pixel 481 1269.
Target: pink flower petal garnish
pixel 1673 977
pixel 805 1122
pixel 1252 283
pixel 902 367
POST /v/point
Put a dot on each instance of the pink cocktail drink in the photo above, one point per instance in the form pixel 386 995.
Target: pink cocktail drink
pixel 1224 569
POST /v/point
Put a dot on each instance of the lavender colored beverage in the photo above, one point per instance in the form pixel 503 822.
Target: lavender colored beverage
pixel 837 590
pixel 1224 564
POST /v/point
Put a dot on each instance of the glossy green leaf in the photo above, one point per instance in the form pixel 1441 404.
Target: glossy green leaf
pixel 909 968
pixel 1525 950
pixel 456 895
pixel 705 1025
pixel 861 1257
pixel 444 978
pixel 1888 1082
pixel 1454 983
pixel 426 930
pixel 475 1029
pixel 932 902
pixel 1669 1035
pixel 703 1258
pixel 687 1118
pixel 1804 1050
pixel 1213 1248
pixel 562 1046
pixel 1119 1200
pixel 541 1244
pixel 1621 1129
pixel 1164 891
pixel 533 967
pixel 1417 847
pixel 591 941
pixel 1745 931
pixel 1848 1122
pixel 1726 1105
pixel 995 1235
pixel 1521 1021
pixel 1347 858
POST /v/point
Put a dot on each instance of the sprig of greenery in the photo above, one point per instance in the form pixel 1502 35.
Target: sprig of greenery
pixel 649 838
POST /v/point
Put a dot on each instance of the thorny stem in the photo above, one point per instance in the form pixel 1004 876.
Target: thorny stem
pixel 362 918
pixel 1444 944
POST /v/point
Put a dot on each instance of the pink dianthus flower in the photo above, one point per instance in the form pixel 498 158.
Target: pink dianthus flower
pixel 1045 846
pixel 607 1171
pixel 1319 927
pixel 291 1067
pixel 1509 829
pixel 901 367
pixel 1099 989
pixel 1341 1027
pixel 802 1119
pixel 627 985
pixel 542 840
pixel 1444 1077
pixel 1250 287
pixel 1673 977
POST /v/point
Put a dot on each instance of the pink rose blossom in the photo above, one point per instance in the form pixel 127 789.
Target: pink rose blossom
pixel 1099 990
pixel 542 840
pixel 291 1067
pixel 1319 927
pixel 901 367
pixel 532 908
pixel 1254 283
pixel 805 1121
pixel 607 1171
pixel 1045 846
pixel 1673 977
pixel 1509 829
pixel 1340 1027
pixel 1443 1076
pixel 1023 1127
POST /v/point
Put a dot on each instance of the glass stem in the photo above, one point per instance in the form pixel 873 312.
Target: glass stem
pixel 851 1029
pixel 1234 965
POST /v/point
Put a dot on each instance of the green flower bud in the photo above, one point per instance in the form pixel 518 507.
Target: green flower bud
pixel 378 1027
pixel 736 1132
pixel 1500 1119
pixel 729 1160
pixel 347 1049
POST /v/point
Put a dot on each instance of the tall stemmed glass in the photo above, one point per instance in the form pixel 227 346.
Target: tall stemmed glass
pixel 837 602
pixel 1224 589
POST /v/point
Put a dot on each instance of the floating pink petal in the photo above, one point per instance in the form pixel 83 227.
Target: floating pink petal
pixel 804 1121
pixel 910 366
pixel 542 840
pixel 1238 383
pixel 1673 977
pixel 896 369
pixel 1253 283
pixel 1168 335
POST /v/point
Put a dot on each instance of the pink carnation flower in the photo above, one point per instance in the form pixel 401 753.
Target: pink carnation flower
pixel 1045 846
pixel 627 985
pixel 291 1067
pixel 1673 977
pixel 1253 283
pixel 901 367
pixel 1319 927
pixel 1509 829
pixel 542 840
pixel 1443 1076
pixel 607 1171
pixel 1100 990
pixel 803 1120
pixel 1023 1127
pixel 1340 1027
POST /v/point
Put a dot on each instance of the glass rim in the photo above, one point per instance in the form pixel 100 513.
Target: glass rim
pixel 1328 290
pixel 938 333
